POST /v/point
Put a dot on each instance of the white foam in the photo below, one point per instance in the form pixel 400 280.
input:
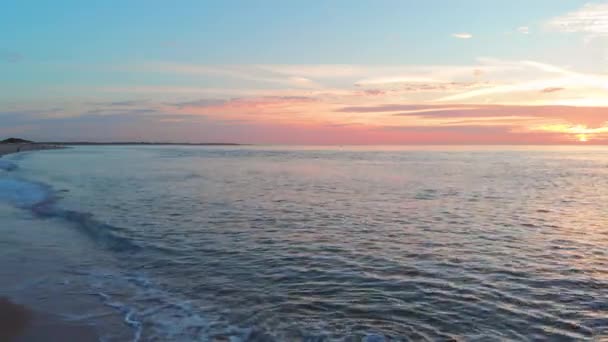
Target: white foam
pixel 168 319
pixel 374 338
pixel 22 193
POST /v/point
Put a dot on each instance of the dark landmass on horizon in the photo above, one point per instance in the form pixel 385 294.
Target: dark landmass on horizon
pixel 16 141
pixel 13 145
pixel 63 143
pixel 139 143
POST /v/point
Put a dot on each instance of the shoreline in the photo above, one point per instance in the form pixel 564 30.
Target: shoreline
pixel 20 323
pixel 16 148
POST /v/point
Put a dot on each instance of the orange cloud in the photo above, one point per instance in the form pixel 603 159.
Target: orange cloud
pixel 490 101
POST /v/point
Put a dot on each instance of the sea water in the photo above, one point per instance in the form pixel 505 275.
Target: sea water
pixel 258 243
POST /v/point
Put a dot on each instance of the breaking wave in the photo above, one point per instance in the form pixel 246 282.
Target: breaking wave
pixel 41 200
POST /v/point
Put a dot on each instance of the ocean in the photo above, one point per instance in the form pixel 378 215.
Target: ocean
pixel 271 243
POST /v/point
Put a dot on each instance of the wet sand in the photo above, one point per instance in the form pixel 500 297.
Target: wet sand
pixel 14 148
pixel 19 324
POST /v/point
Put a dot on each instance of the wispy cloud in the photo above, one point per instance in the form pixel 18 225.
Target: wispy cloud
pixel 522 96
pixel 290 115
pixel 500 110
pixel 534 77
pixel 462 35
pixel 574 129
pixel 241 72
pixel 394 79
pixel 591 20
pixel 552 89
pixel 489 81
pixel 523 30
pixel 410 108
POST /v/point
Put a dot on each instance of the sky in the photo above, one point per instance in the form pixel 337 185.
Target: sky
pixel 305 72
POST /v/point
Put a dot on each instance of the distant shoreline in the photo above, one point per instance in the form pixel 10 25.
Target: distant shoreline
pixel 140 143
pixel 8 148
pixel 24 147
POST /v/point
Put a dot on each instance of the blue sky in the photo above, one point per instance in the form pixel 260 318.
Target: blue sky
pixel 65 55
pixel 273 31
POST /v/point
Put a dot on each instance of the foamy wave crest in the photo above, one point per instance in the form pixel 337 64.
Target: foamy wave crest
pixel 23 193
pixel 104 234
pixel 155 314
pixel 40 199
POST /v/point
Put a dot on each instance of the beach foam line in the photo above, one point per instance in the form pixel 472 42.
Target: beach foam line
pixel 41 200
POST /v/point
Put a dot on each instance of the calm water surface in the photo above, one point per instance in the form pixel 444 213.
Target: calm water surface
pixel 314 244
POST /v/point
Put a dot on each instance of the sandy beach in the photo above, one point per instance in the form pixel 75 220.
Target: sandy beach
pixel 19 324
pixel 14 148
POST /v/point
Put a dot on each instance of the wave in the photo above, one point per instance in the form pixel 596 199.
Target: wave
pixel 7 165
pixel 104 234
pixel 155 314
pixel 41 200
pixel 151 312
pixel 24 194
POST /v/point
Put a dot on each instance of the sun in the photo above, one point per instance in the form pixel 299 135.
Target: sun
pixel 582 137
